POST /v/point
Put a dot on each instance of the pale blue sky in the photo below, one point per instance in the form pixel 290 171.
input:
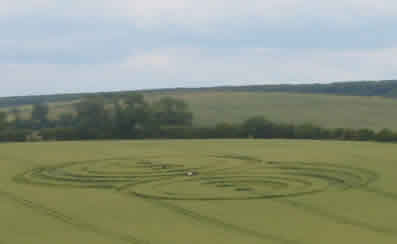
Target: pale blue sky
pixel 58 46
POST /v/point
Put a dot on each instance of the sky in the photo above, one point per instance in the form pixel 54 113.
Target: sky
pixel 68 46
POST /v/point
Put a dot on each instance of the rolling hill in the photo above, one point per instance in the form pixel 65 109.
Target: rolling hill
pixel 323 110
pixel 363 104
pixel 386 88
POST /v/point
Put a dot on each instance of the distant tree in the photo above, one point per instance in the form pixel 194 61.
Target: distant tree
pixel 91 111
pixel 284 130
pixel 17 120
pixel 226 130
pixel 3 120
pixel 349 134
pixel 258 127
pixel 365 135
pixel 337 133
pixel 18 135
pixel 92 118
pixel 172 111
pixel 310 131
pixel 65 120
pixel 40 114
pixel 132 116
pixel 386 135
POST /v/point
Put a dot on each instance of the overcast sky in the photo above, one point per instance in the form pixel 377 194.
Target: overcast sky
pixel 62 46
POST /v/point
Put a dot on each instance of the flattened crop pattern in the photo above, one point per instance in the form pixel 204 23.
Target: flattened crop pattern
pixel 229 177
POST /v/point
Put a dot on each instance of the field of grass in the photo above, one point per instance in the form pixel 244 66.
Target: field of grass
pixel 239 191
pixel 328 111
pixel 323 110
pixel 56 109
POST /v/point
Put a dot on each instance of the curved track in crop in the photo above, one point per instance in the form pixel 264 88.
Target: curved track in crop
pixel 228 177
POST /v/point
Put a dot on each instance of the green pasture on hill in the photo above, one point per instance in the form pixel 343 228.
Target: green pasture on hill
pixel 328 111
pixel 198 191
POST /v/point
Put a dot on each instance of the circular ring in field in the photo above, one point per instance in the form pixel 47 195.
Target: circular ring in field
pixel 224 178
pixel 262 180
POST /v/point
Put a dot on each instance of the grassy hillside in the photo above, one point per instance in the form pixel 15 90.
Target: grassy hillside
pixel 324 110
pixel 329 111
pixel 243 191
pixel 386 88
pixel 56 108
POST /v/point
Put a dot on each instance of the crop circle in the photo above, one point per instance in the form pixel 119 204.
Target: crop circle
pixel 224 177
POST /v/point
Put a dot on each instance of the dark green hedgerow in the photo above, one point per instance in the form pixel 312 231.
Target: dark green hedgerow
pixel 132 117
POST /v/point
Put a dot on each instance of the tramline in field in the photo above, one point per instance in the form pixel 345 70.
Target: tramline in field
pixel 234 177
pixel 167 192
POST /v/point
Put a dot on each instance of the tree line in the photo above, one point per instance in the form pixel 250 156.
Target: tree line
pixel 130 116
pixel 385 88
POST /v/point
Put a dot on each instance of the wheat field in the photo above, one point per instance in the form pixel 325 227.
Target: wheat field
pixel 198 191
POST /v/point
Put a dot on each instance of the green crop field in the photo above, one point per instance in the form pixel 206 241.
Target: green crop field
pixel 328 111
pixel 207 192
pixel 324 110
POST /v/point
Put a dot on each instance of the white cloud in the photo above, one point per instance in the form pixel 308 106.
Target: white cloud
pixel 96 45
pixel 194 12
pixel 147 62
pixel 202 67
pixel 25 7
